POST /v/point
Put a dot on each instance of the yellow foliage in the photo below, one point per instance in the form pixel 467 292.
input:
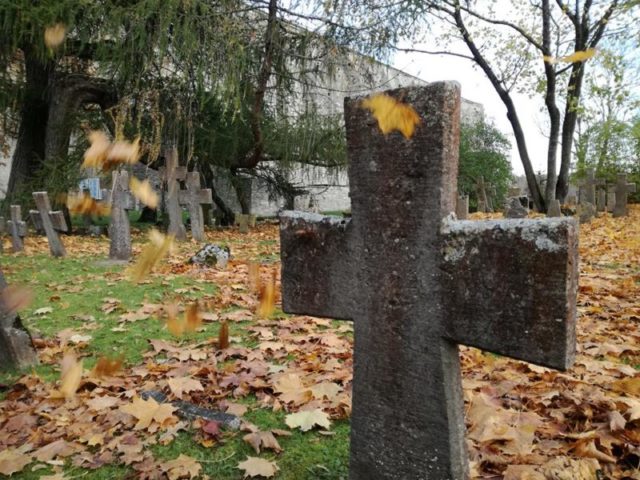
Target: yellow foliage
pixel 581 56
pixel 83 204
pixel 392 114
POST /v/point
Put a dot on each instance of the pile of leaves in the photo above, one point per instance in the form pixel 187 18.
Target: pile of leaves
pixel 523 421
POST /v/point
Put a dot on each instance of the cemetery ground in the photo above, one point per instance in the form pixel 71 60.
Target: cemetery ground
pixel 289 377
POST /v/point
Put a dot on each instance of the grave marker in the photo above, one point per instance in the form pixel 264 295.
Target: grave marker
pixel 16 346
pixel 623 189
pixel 17 228
pixel 554 209
pixel 462 207
pixel 3 230
pixel 417 283
pixel 171 173
pixel 194 197
pixel 52 223
pixel 611 199
pixel 121 200
pixel 514 209
pixel 601 200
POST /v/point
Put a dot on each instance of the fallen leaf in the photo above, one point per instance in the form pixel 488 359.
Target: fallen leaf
pixel 260 440
pixel 13 460
pixel 306 420
pixel 106 367
pixel 147 411
pixel 258 467
pixel 182 467
pixel 179 386
pixel 392 114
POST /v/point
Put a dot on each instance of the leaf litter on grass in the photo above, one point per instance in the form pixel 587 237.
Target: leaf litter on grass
pixel 522 419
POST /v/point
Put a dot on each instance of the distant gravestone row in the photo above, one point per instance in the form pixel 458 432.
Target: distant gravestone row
pixel 417 282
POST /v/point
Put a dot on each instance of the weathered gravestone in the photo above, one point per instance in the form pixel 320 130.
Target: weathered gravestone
pixel 17 228
pixel 121 200
pixel 417 283
pixel 194 197
pixel 462 207
pixel 52 222
pixel 243 221
pixel 171 173
pixel 3 230
pixel 554 209
pixel 611 199
pixel 588 187
pixel 16 346
pixel 601 200
pixel 623 189
pixel 514 208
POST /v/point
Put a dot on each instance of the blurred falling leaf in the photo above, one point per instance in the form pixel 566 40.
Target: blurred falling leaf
pixel 15 297
pixel 71 375
pixel 55 35
pixel 175 324
pixel 223 336
pixel 144 192
pixel 124 152
pixel 392 114
pixel 255 466
pixel 306 420
pixel 254 277
pixel 105 367
pixel 83 204
pixel 96 154
pixel 580 56
pixel 193 317
pixel 157 248
pixel 267 298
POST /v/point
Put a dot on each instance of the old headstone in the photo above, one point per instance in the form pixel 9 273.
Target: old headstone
pixel 171 173
pixel 572 200
pixel 242 221
pixel 588 187
pixel 462 207
pixel 16 346
pixel 554 208
pixel 121 200
pixel 17 228
pixel 3 230
pixel 586 211
pixel 514 209
pixel 623 189
pixel 52 223
pixel 417 283
pixel 611 199
pixel 601 200
pixel 194 197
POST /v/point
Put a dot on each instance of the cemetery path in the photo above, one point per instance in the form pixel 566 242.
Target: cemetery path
pixel 287 377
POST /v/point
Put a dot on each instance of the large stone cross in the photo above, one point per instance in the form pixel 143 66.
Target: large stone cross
pixel 17 228
pixel 121 200
pixel 52 222
pixel 417 282
pixel 194 197
pixel 171 173
pixel 623 189
pixel 588 187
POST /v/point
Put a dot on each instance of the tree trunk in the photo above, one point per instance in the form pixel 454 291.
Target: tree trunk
pixel 30 145
pixel 227 216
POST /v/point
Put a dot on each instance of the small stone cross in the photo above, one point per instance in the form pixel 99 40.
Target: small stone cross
pixel 194 197
pixel 588 187
pixel 171 174
pixel 121 200
pixel 623 189
pixel 417 283
pixel 52 223
pixel 17 228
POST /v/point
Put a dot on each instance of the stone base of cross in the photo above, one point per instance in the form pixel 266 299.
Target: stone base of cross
pixel 121 200
pixel 17 228
pixel 52 222
pixel 417 283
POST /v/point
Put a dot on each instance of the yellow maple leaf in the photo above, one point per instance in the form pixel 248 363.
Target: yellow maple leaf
pixel 157 248
pixel 308 419
pixel 575 57
pixel 181 385
pixel 392 114
pixel 258 467
pixel 182 467
pixel 54 35
pixel 147 411
pixel 144 192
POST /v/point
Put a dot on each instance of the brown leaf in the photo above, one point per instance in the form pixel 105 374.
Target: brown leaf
pixel 182 467
pixel 306 420
pixel 106 367
pixel 179 386
pixel 223 336
pixel 13 460
pixel 193 317
pixel 147 411
pixel 264 440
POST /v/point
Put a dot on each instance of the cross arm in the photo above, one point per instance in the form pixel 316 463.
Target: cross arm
pixel 317 265
pixel 511 286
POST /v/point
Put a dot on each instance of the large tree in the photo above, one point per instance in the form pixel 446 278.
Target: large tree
pixel 509 41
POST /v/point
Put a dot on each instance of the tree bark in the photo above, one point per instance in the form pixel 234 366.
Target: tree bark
pixel 30 145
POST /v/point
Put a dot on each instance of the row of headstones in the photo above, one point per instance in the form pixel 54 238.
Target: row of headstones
pixel 120 199
pixel 592 201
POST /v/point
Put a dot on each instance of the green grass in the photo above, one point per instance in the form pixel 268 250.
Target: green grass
pixel 75 289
